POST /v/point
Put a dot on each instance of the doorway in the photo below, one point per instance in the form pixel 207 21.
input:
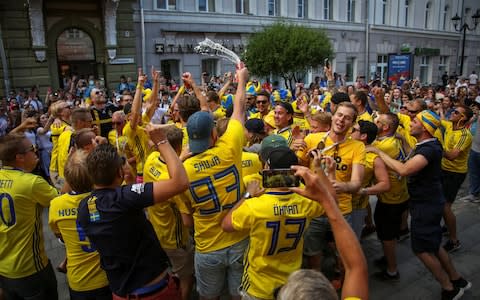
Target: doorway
pixel 75 56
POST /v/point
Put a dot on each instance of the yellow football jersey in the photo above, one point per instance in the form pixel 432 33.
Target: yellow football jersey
pixel 185 137
pixel 215 186
pixel 276 222
pixel 165 217
pixel 398 192
pixel 345 154
pixel 365 116
pixel 219 113
pixel 22 199
pixel 56 131
pixel 65 143
pixel 83 261
pixel 404 129
pixel 119 142
pixel 460 139
pixel 137 141
pixel 251 163
pixel 361 201
pixel 286 133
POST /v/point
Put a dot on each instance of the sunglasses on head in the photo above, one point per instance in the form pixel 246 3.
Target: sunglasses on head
pixel 98 93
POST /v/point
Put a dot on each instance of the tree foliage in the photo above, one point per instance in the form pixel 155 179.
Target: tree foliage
pixel 286 50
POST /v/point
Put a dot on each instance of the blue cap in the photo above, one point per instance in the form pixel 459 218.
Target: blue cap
pixel 199 129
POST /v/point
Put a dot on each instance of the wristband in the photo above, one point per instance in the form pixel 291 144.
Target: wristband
pixel 162 142
pixel 247 195
pixel 139 86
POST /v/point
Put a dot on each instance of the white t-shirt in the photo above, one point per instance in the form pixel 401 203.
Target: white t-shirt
pixel 473 78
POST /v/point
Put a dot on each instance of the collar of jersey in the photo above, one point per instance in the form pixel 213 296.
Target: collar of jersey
pixel 11 168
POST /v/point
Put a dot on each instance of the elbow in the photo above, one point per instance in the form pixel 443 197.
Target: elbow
pixel 183 183
pixel 227 224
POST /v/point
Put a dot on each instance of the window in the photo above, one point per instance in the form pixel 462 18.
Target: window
pixel 445 17
pixel 384 11
pixel 273 8
pixel 170 69
pixel 301 8
pixel 241 6
pixel 406 12
pixel 382 66
pixel 75 45
pixel 443 66
pixel 424 70
pixel 351 67
pixel 427 15
pixel 210 65
pixel 351 10
pixel 74 33
pixel 167 4
pixel 206 5
pixel 327 9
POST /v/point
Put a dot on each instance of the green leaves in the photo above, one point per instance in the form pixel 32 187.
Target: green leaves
pixel 284 49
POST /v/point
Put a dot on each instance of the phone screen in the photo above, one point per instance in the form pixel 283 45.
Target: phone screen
pixel 278 178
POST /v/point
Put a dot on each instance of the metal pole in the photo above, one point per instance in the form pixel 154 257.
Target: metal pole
pixel 367 44
pixel 142 28
pixel 464 27
pixel 6 79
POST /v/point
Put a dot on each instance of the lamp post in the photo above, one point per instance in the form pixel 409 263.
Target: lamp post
pixel 456 23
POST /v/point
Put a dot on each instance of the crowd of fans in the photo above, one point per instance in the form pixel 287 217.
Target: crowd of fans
pixel 155 187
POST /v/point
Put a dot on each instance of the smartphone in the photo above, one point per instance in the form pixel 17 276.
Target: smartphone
pixel 278 178
pixel 326 62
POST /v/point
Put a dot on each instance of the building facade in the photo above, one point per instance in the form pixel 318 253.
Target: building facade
pixel 362 32
pixel 45 41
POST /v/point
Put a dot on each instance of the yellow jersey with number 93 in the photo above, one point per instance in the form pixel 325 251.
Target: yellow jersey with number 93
pixel 215 187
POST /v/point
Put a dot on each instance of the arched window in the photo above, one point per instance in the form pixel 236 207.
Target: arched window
pixel 427 15
pixel 75 44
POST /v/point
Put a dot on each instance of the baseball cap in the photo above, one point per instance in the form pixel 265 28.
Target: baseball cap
pixel 255 125
pixel 281 158
pixel 430 120
pixel 199 129
pixel 270 143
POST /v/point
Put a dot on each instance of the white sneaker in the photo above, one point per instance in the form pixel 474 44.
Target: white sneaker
pixel 470 198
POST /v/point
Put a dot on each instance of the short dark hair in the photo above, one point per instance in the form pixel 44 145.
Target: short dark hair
pixel 362 96
pixel 213 96
pixel 187 106
pixel 264 93
pixel 10 146
pixel 368 128
pixel 393 122
pixel 340 97
pixel 103 164
pixel 175 137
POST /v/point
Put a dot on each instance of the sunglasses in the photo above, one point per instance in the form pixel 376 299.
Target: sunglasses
pixel 458 113
pixel 32 148
pixel 262 101
pixel 413 111
pixel 98 93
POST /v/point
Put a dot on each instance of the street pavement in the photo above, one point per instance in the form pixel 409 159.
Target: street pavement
pixel 416 282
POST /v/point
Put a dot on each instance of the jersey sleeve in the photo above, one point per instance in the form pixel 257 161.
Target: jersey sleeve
pixel 136 196
pixel 242 216
pixel 44 192
pixel 464 142
pixel 359 154
pixel 233 138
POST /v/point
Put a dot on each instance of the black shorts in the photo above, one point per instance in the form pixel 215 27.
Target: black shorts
pixel 451 182
pixel 425 228
pixel 388 218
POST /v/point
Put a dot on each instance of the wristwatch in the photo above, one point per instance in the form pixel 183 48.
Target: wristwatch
pixel 247 195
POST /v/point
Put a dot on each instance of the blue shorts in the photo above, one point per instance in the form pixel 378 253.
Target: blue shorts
pixel 213 268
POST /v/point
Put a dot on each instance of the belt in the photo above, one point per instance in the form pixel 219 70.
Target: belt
pixel 151 288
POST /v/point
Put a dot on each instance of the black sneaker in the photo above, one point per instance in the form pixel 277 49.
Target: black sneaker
pixel 451 246
pixel 454 294
pixel 462 283
pixel 403 234
pixel 384 276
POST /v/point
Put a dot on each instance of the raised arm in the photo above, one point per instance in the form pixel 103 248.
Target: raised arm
pixel 178 181
pixel 411 166
pixel 356 272
pixel 380 100
pixel 137 100
pixel 228 81
pixel 239 100
pixel 188 80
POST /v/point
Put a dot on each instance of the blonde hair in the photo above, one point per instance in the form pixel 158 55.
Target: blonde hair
pixel 76 172
pixel 324 118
